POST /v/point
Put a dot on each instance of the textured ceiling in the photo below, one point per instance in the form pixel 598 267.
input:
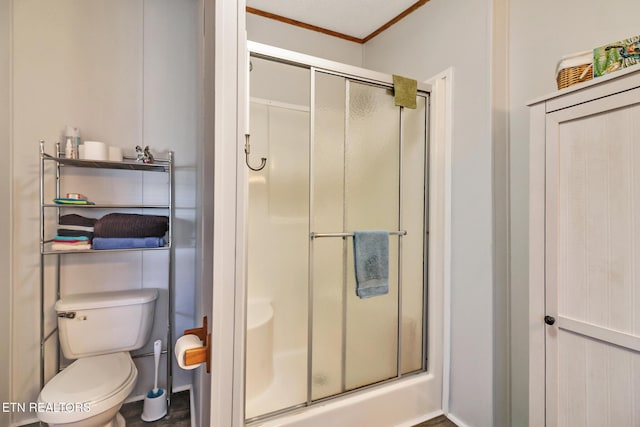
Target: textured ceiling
pixel 357 18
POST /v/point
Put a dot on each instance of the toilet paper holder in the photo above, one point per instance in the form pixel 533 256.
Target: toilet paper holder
pixel 195 356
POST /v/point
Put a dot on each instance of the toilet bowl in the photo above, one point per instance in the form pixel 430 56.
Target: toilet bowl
pixel 98 330
pixel 89 392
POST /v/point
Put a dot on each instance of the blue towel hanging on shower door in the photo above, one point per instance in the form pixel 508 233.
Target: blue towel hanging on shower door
pixel 371 262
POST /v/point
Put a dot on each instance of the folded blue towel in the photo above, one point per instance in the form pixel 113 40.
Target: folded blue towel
pixel 78 237
pixel 127 242
pixel 371 262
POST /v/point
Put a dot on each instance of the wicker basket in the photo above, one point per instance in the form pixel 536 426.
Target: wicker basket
pixel 574 68
pixel 572 75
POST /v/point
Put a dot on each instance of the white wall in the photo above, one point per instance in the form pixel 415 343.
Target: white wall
pixel 125 72
pixel 540 34
pixel 171 116
pixel 5 208
pixel 501 240
pixel 275 33
pixel 442 34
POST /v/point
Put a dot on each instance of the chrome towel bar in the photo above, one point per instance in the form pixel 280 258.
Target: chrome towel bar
pixel 314 235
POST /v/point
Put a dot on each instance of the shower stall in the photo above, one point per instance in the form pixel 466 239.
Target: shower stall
pixel 340 157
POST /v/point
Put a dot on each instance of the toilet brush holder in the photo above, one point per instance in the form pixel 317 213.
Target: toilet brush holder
pixel 155 402
pixel 155 406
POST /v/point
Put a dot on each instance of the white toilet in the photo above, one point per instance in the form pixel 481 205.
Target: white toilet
pixel 99 330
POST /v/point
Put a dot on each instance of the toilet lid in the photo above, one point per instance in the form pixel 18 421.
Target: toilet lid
pixel 90 379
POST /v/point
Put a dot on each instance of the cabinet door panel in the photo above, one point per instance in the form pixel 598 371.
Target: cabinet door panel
pixel 592 258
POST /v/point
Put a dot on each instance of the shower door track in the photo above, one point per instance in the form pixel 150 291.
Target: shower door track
pixel 343 394
pixel 313 63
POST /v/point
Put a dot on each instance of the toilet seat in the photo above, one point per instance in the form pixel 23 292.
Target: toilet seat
pixel 96 383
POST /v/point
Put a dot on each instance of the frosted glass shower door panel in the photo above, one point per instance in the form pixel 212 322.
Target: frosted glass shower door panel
pixel 413 259
pixel 279 220
pixel 278 242
pixel 289 167
pixel 279 82
pixel 328 253
pixel 372 203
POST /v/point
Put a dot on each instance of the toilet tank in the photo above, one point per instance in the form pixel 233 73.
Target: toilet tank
pixel 105 322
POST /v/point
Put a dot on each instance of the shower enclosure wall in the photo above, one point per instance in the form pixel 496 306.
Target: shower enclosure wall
pixel 340 157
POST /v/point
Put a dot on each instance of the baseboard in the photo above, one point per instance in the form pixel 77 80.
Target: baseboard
pixel 456 421
pixel 140 397
pixel 26 422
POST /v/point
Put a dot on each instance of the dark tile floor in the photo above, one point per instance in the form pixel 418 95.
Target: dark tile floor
pixel 179 415
pixel 440 421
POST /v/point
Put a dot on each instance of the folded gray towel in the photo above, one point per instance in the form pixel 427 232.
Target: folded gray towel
pixel 131 225
pixel 371 262
pixel 75 219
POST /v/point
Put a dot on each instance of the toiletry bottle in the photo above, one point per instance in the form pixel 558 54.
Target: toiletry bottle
pixel 76 143
pixel 69 149
pixel 73 134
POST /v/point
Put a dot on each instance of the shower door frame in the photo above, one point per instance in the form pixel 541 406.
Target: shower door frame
pixel 382 80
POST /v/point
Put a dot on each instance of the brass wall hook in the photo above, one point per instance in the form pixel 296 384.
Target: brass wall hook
pixel 247 151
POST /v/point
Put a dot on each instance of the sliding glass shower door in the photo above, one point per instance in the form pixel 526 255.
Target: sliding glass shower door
pixel 356 167
pixel 355 171
pixel 341 157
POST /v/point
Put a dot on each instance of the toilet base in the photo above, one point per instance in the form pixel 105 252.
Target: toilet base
pixel 119 421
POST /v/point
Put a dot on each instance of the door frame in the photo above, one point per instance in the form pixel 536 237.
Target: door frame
pixel 440 120
pixel 224 68
pixel 537 211
pixel 225 101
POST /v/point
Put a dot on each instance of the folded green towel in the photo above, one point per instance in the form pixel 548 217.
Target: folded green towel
pixel 405 91
pixel 60 238
pixel 65 201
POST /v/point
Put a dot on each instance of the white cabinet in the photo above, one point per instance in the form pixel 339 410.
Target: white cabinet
pixel 585 255
pixel 153 196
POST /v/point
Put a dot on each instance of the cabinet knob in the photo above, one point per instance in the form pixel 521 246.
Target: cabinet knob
pixel 549 320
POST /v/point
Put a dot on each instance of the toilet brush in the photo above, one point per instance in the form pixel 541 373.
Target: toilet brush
pixel 157 346
pixel 155 402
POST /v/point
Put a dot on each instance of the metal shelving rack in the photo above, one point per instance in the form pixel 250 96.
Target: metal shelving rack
pixel 159 165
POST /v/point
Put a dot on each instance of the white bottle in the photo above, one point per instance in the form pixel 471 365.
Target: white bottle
pixel 69 149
